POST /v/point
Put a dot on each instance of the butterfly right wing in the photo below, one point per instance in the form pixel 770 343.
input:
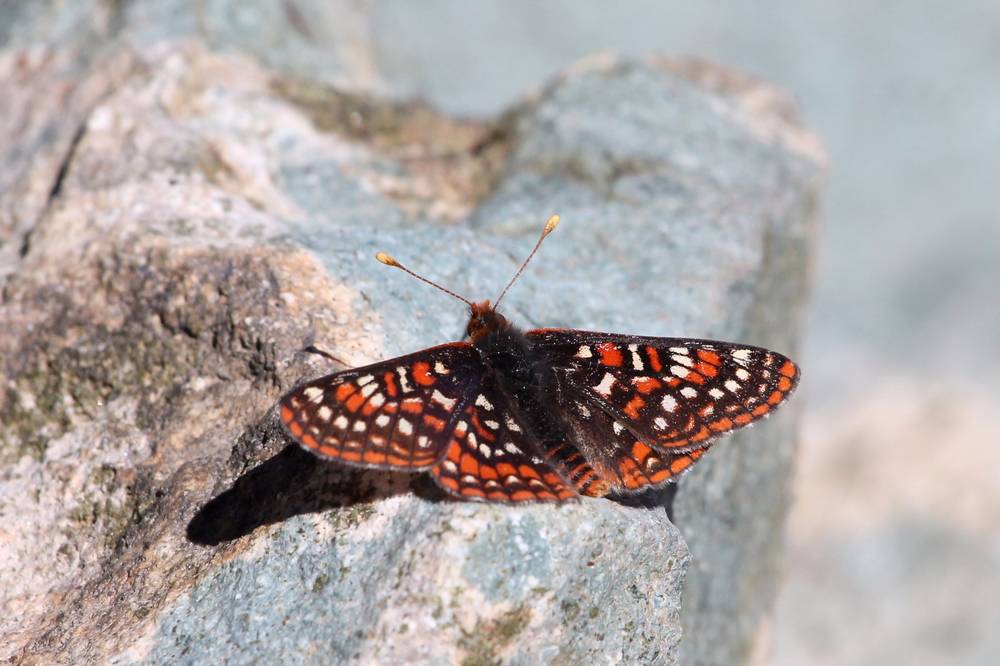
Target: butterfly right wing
pixel 397 414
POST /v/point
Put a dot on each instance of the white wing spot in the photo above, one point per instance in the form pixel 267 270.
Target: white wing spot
pixel 368 389
pixel 377 400
pixel 582 408
pixel 422 441
pixel 742 374
pixel 584 352
pixel 708 410
pixel 382 420
pixel 314 394
pixel 324 413
pixel 450 466
pixel 440 368
pixel 468 478
pixel 660 423
pixel 359 426
pixel 443 400
pixel 511 424
pixel 715 393
pixel 683 360
pixel 741 355
pixel 485 450
pixel 481 401
pixel 679 350
pixel 405 427
pixel 472 439
pixel 341 422
pixel 617 427
pixel 669 403
pixel 404 384
pixel 361 381
pixel 679 371
pixel 636 359
pixel 733 386
pixel 689 392
pixel 604 388
pixel 512 448
pixel 491 424
pixel 461 427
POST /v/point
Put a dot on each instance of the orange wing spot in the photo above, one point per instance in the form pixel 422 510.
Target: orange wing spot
pixel 522 495
pixel 545 495
pixel 681 464
pixel 368 409
pixel 295 428
pixel 721 424
pixel 487 473
pixel 468 465
pixel 661 476
pixel 640 451
pixel 701 436
pixel 673 382
pixel 310 441
pixel 286 414
pixel 582 467
pixel 694 378
pixel 397 460
pixel 743 419
pixel 448 482
pixel 421 372
pixel 634 405
pixel 760 410
pixel 630 472
pixel 331 451
pixel 472 491
pixel 343 391
pixel 598 488
pixel 654 359
pixel 609 354
pixel 775 398
pixel 454 451
pixel 354 402
pixel 528 472
pixel 706 368
pixel 374 457
pixel 697 453
pixel 506 469
pixel 784 383
pixel 788 369
pixel 480 430
pixel 552 479
pixel 351 456
pixel 709 357
pixel 412 406
pixel 568 494
pixel 390 384
pixel 434 422
pixel 647 384
pixel 497 495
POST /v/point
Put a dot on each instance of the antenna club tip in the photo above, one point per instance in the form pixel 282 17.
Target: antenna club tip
pixel 551 225
pixel 387 260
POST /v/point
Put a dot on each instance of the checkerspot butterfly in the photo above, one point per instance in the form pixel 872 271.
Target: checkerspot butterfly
pixel 547 414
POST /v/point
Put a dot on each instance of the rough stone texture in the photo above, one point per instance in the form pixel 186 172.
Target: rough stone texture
pixel 178 223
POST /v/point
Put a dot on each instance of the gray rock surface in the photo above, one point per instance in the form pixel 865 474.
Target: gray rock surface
pixel 177 223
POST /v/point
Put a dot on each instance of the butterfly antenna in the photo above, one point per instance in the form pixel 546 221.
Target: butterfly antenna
pixel 390 261
pixel 550 226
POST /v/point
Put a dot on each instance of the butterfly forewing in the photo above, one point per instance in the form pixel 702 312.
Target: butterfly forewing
pixel 491 456
pixel 671 395
pixel 397 414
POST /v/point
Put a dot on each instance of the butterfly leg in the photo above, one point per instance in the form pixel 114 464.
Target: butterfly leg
pixel 312 349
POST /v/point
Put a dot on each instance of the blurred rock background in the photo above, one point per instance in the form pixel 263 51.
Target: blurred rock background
pixel 894 542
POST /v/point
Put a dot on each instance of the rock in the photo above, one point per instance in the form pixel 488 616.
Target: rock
pixel 194 219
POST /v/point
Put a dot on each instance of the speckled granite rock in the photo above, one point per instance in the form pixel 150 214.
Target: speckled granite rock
pixel 207 218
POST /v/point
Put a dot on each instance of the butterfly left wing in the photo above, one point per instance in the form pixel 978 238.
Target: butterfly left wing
pixel 660 402
pixel 397 414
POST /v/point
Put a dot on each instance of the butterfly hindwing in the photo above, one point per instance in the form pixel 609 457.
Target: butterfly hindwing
pixel 660 401
pixel 491 456
pixel 397 414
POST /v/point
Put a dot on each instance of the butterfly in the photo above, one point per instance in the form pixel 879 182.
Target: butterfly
pixel 542 415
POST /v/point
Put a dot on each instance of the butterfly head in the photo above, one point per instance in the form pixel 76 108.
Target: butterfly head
pixel 484 318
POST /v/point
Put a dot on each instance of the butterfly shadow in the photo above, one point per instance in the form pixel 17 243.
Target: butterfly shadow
pixel 291 483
